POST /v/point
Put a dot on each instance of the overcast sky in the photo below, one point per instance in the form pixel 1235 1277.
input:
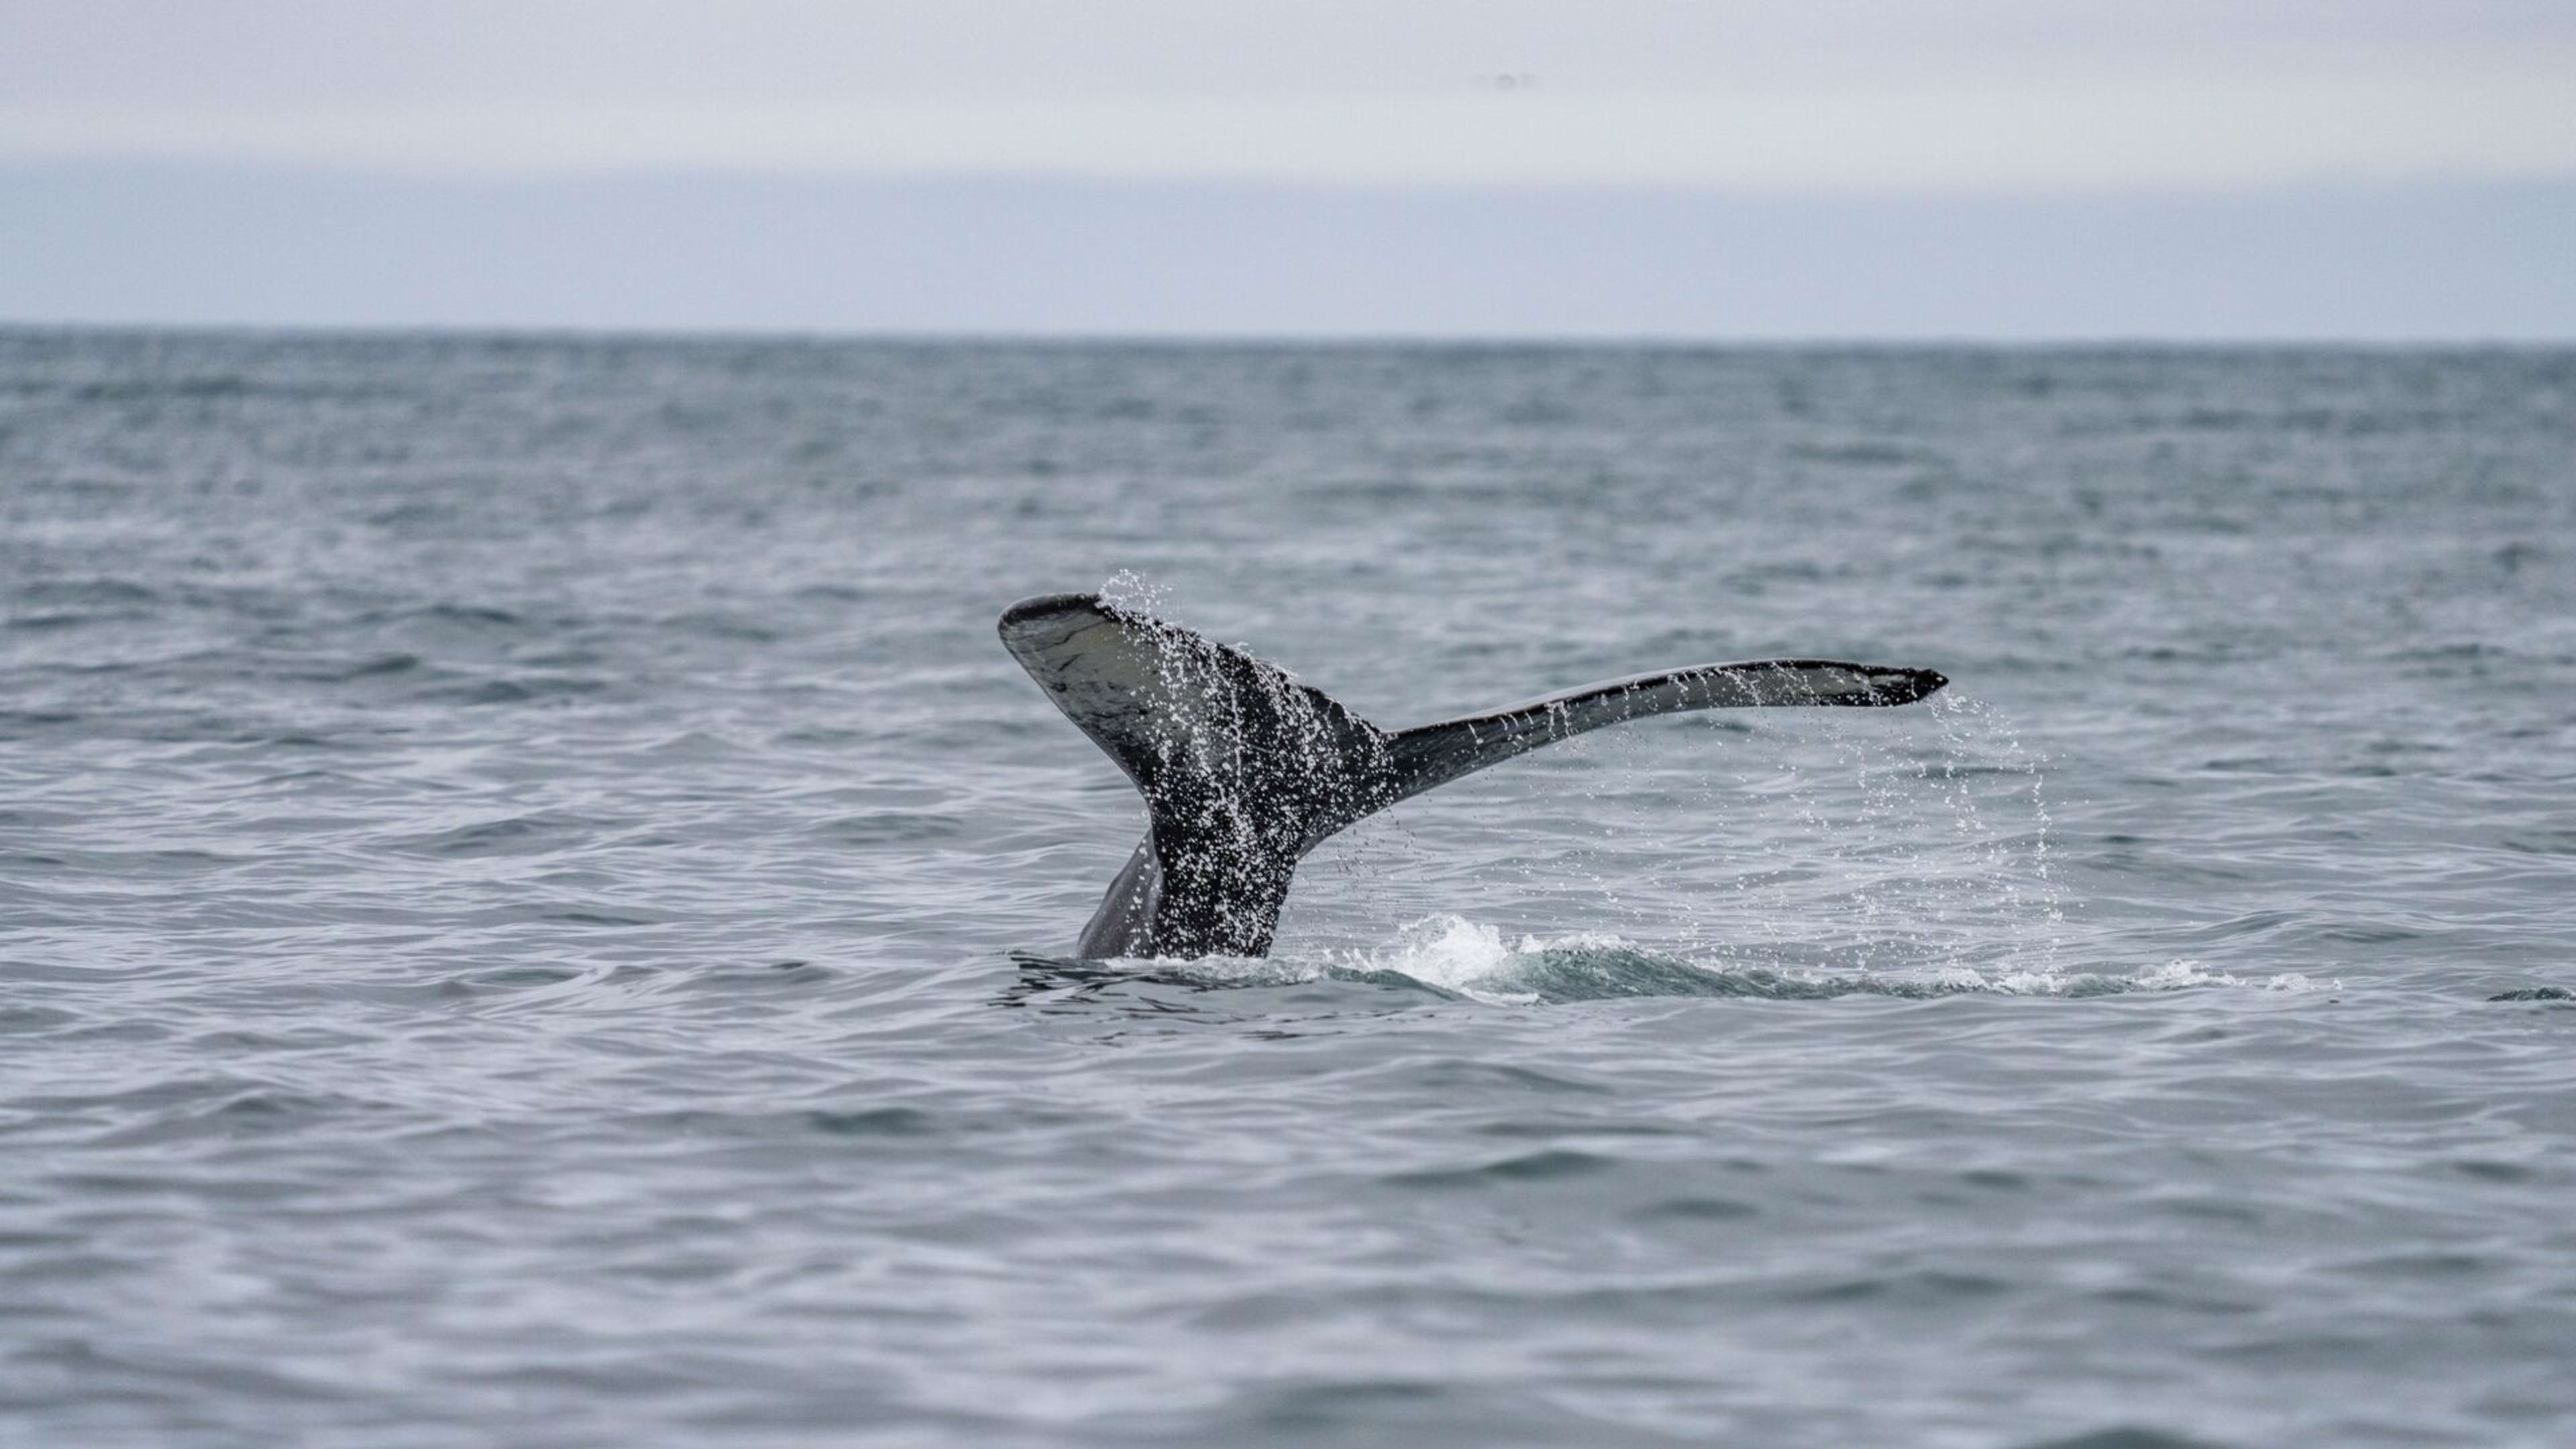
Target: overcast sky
pixel 1979 110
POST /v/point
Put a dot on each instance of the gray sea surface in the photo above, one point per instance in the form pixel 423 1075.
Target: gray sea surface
pixel 534 909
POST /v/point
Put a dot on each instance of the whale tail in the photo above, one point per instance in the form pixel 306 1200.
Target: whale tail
pixel 1244 769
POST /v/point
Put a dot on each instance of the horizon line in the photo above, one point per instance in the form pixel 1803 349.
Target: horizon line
pixel 575 334
pixel 2311 184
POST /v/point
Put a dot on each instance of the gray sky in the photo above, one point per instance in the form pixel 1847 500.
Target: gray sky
pixel 1857 107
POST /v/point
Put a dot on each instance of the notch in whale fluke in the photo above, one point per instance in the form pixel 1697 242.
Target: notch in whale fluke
pixel 1244 769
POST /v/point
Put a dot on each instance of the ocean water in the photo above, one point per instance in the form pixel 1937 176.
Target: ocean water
pixel 534 909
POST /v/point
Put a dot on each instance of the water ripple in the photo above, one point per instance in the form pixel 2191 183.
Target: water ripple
pixel 531 906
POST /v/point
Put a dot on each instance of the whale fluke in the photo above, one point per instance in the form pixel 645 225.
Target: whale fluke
pixel 1244 769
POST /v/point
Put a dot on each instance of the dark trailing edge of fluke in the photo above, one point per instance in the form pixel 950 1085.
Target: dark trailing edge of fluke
pixel 1244 769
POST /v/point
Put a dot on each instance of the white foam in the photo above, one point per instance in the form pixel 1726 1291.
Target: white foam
pixel 1453 953
pixel 1466 957
pixel 2182 975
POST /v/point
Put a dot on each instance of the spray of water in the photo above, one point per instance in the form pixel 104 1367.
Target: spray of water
pixel 1251 770
pixel 1904 849
pixel 1908 842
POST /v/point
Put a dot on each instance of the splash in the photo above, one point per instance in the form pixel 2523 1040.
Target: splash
pixel 2184 975
pixel 1864 841
pixel 1900 842
pixel 1922 839
pixel 1468 959
pixel 1451 957
pixel 1974 734
pixel 1131 592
